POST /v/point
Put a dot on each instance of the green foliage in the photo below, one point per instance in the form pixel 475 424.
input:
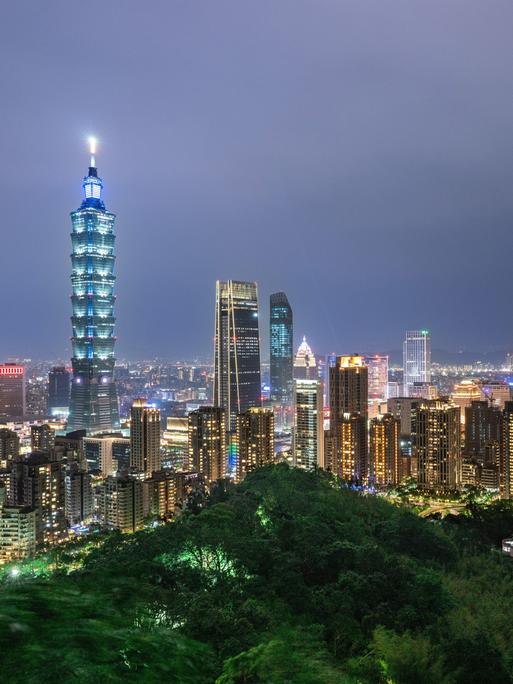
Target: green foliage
pixel 291 656
pixel 409 659
pixel 488 524
pixel 49 632
pixel 284 578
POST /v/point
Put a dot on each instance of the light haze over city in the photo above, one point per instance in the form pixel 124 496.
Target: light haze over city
pixel 355 155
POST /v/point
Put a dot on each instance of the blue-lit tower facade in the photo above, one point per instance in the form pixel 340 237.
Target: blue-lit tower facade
pixel 93 401
pixel 281 348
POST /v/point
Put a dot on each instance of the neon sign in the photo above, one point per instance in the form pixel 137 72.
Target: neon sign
pixel 11 370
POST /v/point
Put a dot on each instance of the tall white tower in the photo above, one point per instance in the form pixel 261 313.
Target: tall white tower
pixel 416 359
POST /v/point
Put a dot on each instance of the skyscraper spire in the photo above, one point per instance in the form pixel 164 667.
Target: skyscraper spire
pixel 93 402
pixel 92 150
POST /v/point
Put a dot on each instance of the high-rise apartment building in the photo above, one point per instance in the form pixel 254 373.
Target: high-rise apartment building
pixel 384 450
pixel 78 496
pixel 237 384
pixel 12 392
pixel 144 437
pixel 166 491
pixel 482 428
pixel 349 455
pixel 93 400
pixel 255 440
pixel 38 482
pixel 281 348
pixel 69 447
pixel 348 386
pixel 308 432
pixel 9 446
pixel 349 398
pixel 17 533
pixel 437 444
pixel 416 359
pixel 59 379
pixel 42 437
pixel 207 442
pixel 120 502
pixel 404 408
pixel 506 452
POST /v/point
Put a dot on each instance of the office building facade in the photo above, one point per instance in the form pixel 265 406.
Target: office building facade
pixel 59 383
pixel 237 383
pixel 281 349
pixel 416 359
pixel 377 366
pixel 12 392
pixel 106 454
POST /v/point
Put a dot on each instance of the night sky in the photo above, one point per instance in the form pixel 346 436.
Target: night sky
pixel 357 155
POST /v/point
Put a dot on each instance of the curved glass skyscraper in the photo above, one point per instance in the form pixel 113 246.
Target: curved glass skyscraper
pixel 93 402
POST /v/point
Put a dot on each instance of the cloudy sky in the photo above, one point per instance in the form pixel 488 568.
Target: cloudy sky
pixel 357 155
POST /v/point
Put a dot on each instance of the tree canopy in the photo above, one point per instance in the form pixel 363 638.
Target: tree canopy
pixel 284 578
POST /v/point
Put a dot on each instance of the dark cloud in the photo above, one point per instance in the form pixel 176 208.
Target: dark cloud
pixel 356 154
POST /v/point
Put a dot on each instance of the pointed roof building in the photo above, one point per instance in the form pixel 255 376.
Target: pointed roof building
pixel 305 365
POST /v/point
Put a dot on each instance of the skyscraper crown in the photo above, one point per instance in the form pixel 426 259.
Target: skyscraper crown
pixel 92 185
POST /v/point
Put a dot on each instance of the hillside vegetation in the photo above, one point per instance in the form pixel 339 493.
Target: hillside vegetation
pixel 285 578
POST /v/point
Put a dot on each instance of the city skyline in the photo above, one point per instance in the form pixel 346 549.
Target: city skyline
pixel 317 163
pixel 278 445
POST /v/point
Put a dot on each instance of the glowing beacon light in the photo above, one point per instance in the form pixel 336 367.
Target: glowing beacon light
pixel 92 184
pixel 92 150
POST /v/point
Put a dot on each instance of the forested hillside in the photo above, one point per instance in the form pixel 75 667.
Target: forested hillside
pixel 285 578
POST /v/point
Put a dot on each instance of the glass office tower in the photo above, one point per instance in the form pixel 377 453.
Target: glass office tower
pixel 281 348
pixel 416 359
pixel 93 401
pixel 237 385
pixel 58 392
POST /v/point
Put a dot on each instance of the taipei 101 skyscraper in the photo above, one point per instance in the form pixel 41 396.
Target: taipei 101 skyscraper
pixel 94 401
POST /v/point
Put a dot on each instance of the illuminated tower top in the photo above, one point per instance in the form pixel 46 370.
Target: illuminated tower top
pixel 92 185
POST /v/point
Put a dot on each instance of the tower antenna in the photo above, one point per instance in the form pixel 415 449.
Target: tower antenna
pixel 92 150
